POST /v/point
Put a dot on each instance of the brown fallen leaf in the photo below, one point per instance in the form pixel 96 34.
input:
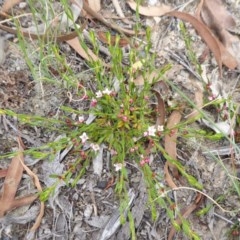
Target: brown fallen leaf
pixel 198 94
pixel 102 37
pixel 86 53
pixel 139 80
pixel 168 177
pixel 3 173
pixel 205 34
pixel 171 140
pixel 151 11
pixel 215 15
pixel 161 91
pixel 220 22
pixel 39 188
pixel 202 29
pixel 11 183
pixel 10 186
pixel 95 5
pixel 8 4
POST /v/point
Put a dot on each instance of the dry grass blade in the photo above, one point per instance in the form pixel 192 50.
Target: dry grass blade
pixel 171 140
pixel 149 11
pixel 204 32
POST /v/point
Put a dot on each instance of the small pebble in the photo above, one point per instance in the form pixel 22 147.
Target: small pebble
pixel 22 5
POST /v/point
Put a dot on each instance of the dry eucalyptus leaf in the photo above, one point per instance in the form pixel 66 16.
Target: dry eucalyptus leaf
pixel 215 15
pixel 8 4
pixel 95 5
pixel 220 22
pixel 205 34
pixel 152 11
pixel 171 140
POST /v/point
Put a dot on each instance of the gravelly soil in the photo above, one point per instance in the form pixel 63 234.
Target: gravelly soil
pixel 82 212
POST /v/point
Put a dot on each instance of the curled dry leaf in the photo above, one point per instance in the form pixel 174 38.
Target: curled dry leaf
pixel 204 32
pixel 151 11
pixel 95 5
pixel 220 22
pixel 215 19
pixel 168 177
pixel 139 81
pixel 11 182
pixel 161 91
pixel 86 53
pixel 171 140
pixel 102 37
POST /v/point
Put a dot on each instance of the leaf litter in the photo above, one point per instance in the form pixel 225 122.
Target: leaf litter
pixel 221 43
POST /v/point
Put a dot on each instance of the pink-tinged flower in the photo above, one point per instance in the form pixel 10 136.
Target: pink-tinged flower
pixel 152 131
pixel 119 166
pixel 142 162
pixel 132 150
pixel 84 137
pixel 99 94
pixel 124 118
pixel 147 160
pixel 210 98
pixel 146 98
pixel 93 102
pixel 107 91
pixel 95 147
pixel 81 119
pixel 145 134
pixel 113 152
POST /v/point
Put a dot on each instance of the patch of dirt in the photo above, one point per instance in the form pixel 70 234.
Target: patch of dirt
pixel 84 212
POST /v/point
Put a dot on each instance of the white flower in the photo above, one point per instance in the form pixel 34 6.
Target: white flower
pixel 160 128
pixel 81 119
pixel 107 91
pixel 151 131
pixel 84 137
pixel 119 166
pixel 99 94
pixel 95 147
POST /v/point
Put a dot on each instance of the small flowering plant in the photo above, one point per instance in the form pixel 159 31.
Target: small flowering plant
pixel 122 120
